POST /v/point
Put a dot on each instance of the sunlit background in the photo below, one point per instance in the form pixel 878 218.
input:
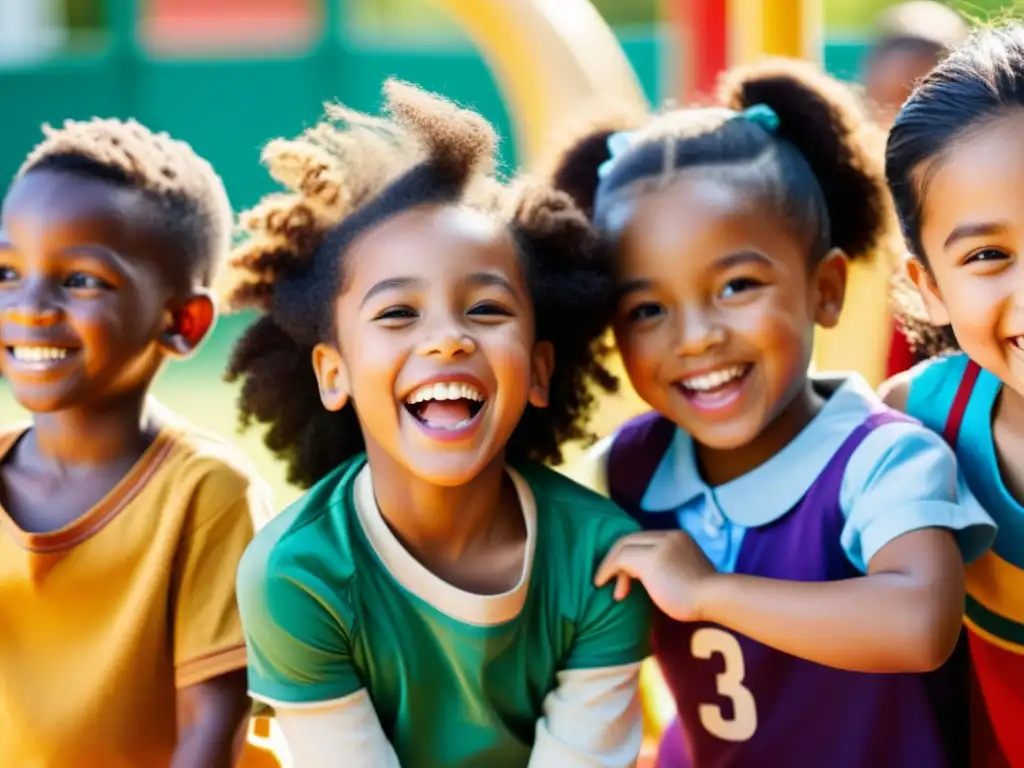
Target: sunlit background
pixel 227 75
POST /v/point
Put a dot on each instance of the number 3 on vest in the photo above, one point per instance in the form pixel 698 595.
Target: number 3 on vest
pixel 706 642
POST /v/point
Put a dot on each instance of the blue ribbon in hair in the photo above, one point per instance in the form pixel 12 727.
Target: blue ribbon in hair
pixel 618 143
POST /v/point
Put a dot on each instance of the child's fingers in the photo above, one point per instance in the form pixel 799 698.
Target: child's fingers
pixel 622 582
pixel 626 558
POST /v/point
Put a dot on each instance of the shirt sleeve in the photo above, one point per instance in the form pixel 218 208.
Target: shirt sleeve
pixel 903 478
pixel 208 638
pixel 592 719
pixel 296 631
pixel 345 732
pixel 611 632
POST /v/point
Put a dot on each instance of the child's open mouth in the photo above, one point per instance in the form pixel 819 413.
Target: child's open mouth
pixel 713 390
pixel 446 409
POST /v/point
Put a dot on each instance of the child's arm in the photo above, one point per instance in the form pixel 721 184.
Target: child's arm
pixel 904 615
pixel 209 715
pixel 317 736
pixel 208 644
pixel 300 664
pixel 593 718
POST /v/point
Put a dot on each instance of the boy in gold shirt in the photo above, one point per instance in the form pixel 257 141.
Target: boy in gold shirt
pixel 121 526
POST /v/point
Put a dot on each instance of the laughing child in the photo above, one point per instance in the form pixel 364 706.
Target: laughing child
pixel 429 335
pixel 120 640
pixel 955 164
pixel 805 545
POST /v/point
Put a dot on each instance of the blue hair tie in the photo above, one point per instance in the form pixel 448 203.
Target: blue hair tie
pixel 617 144
pixel 762 115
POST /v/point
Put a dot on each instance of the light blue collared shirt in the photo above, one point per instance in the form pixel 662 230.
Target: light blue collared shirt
pixel 901 478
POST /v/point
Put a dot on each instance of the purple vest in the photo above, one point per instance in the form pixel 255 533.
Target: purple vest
pixel 742 704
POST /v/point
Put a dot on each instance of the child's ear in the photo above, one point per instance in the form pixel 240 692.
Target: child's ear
pixel 542 366
pixel 190 322
pixel 929 290
pixel 331 376
pixel 830 279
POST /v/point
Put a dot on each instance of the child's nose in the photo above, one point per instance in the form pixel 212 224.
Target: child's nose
pixel 448 342
pixel 34 305
pixel 699 331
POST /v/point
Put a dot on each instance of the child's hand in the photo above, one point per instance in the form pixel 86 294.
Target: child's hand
pixel 669 564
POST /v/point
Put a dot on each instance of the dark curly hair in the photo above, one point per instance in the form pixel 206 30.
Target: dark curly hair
pixel 977 84
pixel 352 172
pixel 820 168
pixel 195 211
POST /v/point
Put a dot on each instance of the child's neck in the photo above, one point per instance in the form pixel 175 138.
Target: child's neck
pixel 443 524
pixel 93 435
pixel 722 466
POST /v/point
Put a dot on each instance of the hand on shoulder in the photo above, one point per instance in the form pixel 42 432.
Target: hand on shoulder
pixel 669 564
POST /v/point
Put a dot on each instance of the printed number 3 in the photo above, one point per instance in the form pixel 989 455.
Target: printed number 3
pixel 706 642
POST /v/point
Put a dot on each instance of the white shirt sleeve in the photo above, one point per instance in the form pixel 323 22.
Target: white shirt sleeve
pixel 593 719
pixel 345 732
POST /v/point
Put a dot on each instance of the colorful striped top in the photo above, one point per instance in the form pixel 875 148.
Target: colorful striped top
pixel 955 397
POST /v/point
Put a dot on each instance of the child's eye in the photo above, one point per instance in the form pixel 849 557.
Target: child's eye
pixel 986 254
pixel 396 313
pixel 739 285
pixel 645 311
pixel 489 308
pixel 8 275
pixel 84 282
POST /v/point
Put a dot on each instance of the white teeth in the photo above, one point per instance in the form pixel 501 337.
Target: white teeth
pixel 38 354
pixel 445 391
pixel 713 380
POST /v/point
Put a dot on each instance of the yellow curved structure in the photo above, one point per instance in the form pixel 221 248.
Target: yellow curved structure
pixel 550 58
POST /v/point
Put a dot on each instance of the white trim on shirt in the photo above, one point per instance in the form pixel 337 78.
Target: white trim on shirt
pixel 468 607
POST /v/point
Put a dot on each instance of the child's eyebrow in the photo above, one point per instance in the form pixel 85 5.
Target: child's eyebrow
pixel 633 286
pixel 742 257
pixel 486 279
pixel 389 284
pixel 973 229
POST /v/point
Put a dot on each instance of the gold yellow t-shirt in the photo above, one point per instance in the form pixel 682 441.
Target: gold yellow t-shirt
pixel 103 620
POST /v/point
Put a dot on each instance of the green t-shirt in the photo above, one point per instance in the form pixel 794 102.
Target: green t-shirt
pixel 324 618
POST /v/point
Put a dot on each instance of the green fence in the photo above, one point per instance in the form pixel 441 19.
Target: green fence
pixel 228 108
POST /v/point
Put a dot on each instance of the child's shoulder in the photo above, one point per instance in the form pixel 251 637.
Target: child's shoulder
pixel 926 391
pixel 575 513
pixel 304 536
pixel 213 472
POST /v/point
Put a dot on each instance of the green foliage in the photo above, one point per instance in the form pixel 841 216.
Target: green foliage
pixel 84 15
pixel 859 14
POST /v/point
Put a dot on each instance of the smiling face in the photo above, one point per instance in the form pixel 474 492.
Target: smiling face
pixel 85 313
pixel 972 232
pixel 435 343
pixel 715 324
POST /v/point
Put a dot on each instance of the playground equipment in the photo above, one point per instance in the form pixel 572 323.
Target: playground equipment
pixel 550 58
pixel 714 35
